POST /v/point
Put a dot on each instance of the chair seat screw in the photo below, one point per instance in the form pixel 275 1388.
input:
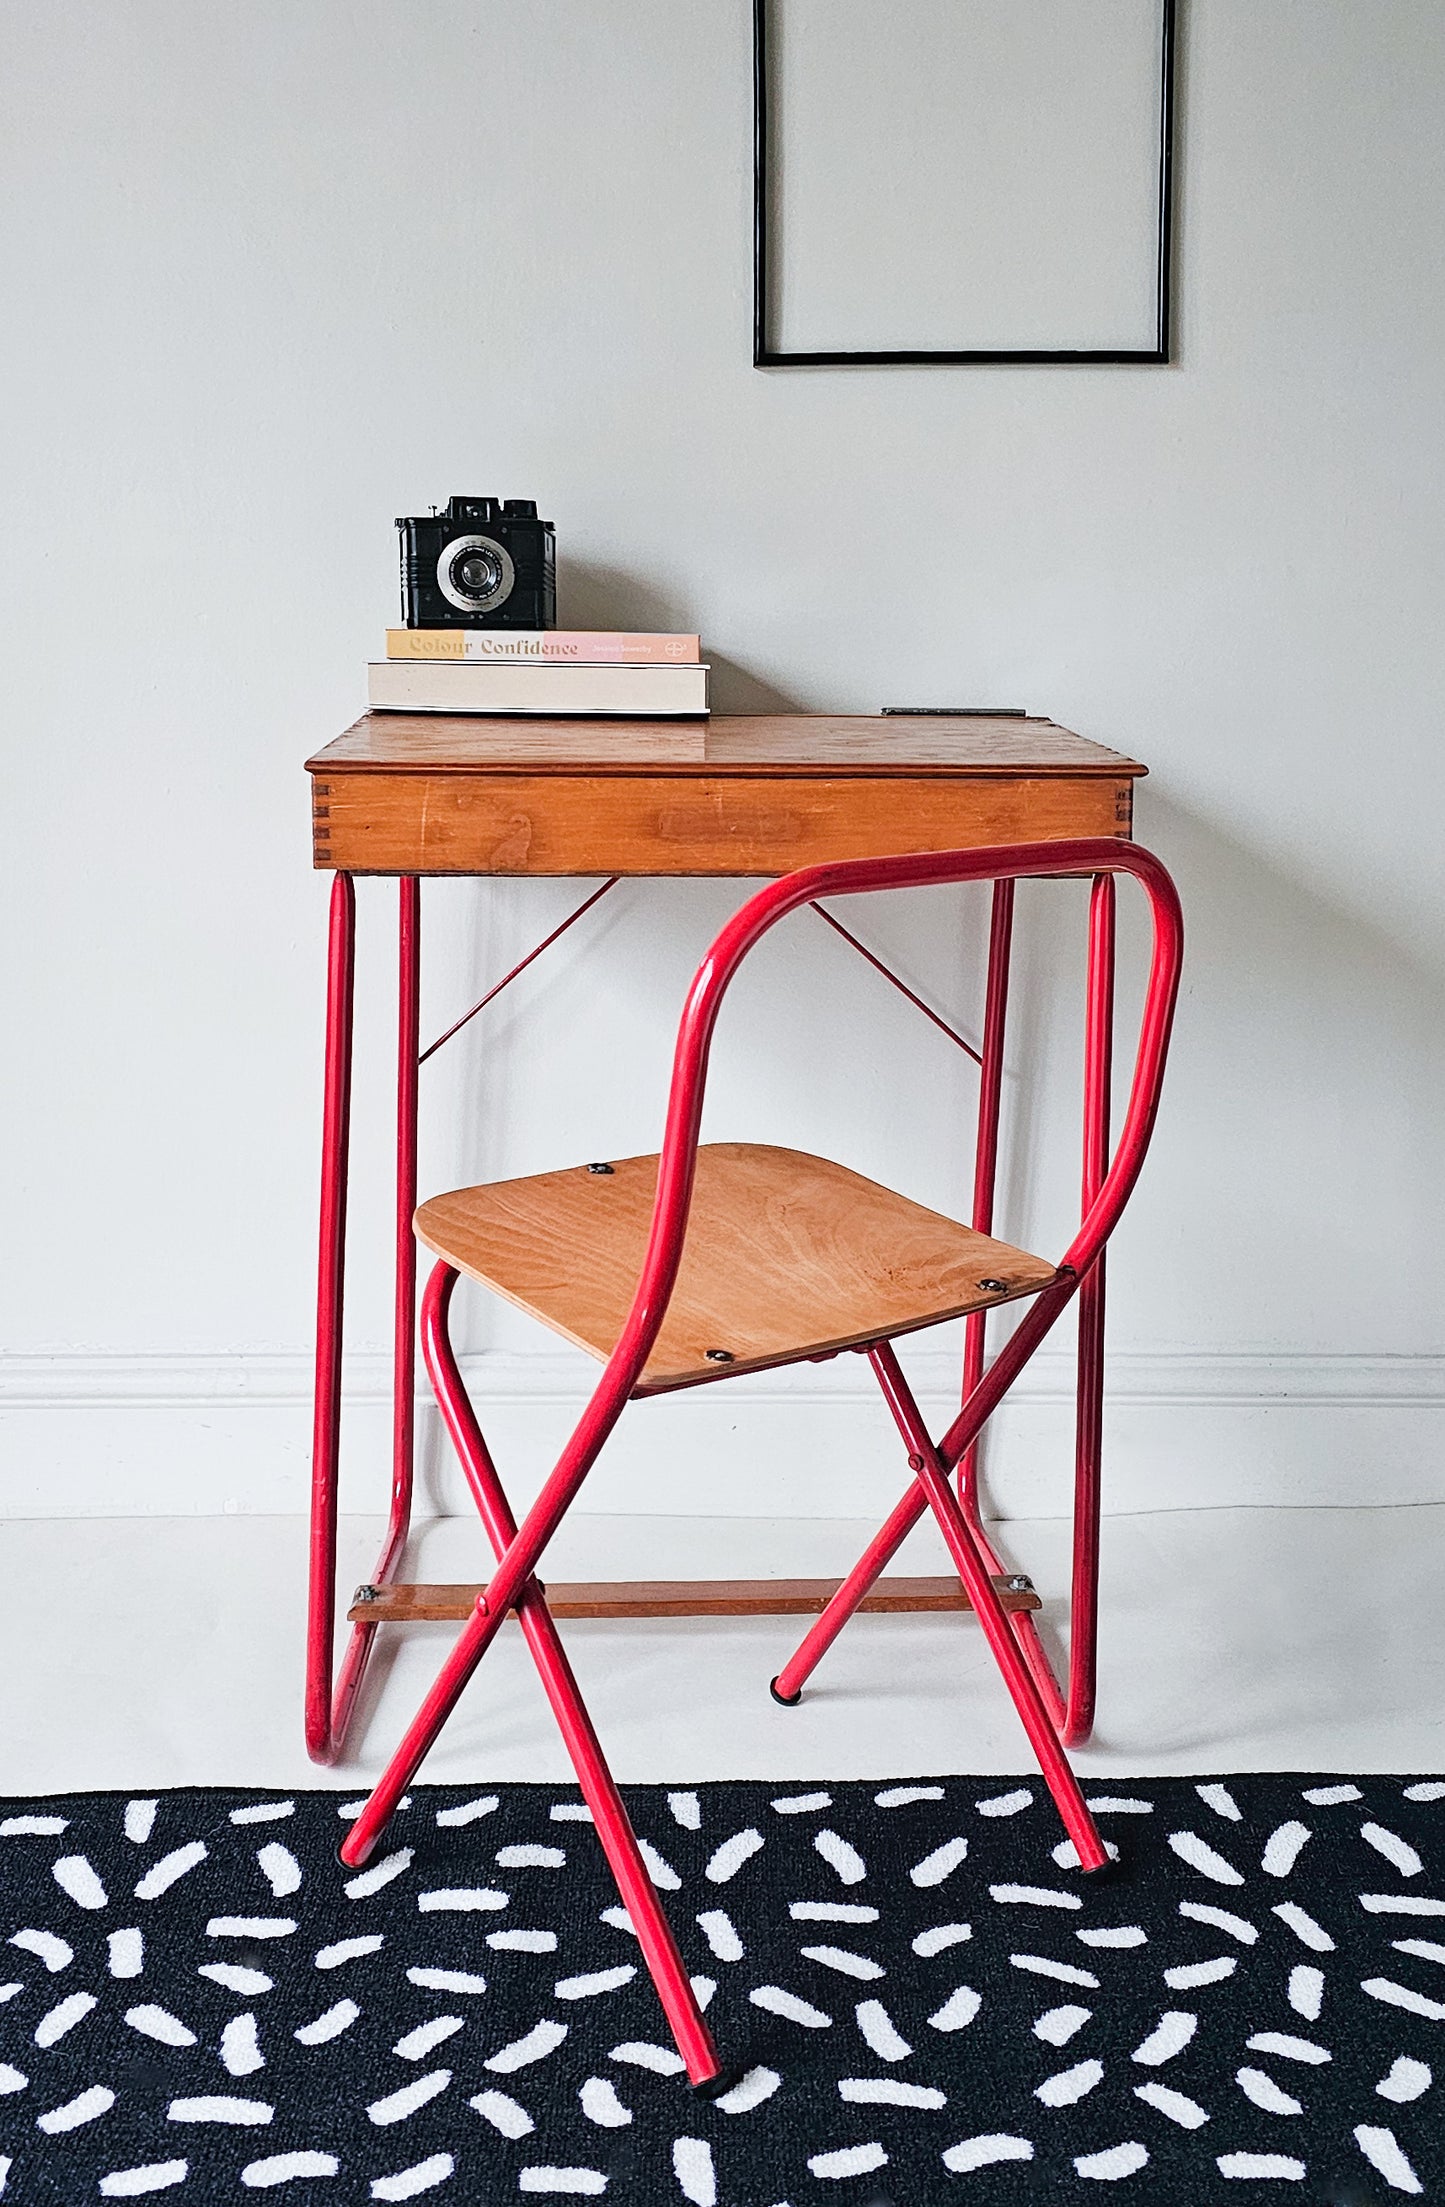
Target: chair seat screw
pixel 1019 1582
pixel 599 1168
pixel 719 1356
pixel 994 1287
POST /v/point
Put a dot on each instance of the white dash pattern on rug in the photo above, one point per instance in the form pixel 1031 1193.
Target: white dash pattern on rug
pixel 918 1999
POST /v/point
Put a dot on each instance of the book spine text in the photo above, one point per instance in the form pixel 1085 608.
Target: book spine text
pixel 548 647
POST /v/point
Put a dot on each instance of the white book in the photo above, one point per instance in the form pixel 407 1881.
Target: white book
pixel 535 686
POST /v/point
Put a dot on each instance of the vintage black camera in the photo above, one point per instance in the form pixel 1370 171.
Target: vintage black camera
pixel 481 563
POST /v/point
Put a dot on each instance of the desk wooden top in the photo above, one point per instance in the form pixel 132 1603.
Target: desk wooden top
pixel 728 743
pixel 738 794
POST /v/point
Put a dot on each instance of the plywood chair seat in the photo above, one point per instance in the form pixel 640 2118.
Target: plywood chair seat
pixel 787 1256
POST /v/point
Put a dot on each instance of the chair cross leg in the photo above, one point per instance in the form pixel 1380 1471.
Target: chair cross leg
pixel 932 1489
pixel 874 1561
pixel 953 1449
pixel 931 1474
pixel 619 1841
pixel 599 1788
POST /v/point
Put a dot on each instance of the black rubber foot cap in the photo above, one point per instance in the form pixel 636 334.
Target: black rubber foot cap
pixel 713 2088
pixel 1107 1873
pixel 343 1861
pixel 784 1701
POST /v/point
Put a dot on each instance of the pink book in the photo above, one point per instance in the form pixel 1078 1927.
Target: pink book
pixel 582 646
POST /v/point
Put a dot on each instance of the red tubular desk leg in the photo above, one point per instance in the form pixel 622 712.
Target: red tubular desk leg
pixel 403 1402
pixel 1089 1430
pixel 1073 1713
pixel 330 1288
pixel 328 1712
pixel 985 1178
pixel 985 1169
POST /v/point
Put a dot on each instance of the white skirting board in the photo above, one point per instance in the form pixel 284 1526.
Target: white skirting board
pixel 110 1436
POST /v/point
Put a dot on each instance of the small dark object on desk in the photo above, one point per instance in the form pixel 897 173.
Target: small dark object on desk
pixel 480 563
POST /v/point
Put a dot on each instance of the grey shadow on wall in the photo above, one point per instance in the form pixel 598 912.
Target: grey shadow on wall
pixel 1278 977
pixel 592 595
pixel 1276 974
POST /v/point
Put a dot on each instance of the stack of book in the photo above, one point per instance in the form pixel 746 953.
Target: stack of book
pixel 529 670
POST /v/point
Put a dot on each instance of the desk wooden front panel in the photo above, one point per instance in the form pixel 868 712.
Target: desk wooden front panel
pixel 759 793
pixel 450 823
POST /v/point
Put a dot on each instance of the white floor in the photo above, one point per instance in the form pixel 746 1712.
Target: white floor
pixel 167 1651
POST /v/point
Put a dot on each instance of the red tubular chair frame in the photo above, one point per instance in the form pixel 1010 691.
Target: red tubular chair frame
pixel 1013 1641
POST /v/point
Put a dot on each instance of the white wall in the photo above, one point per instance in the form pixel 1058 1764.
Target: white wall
pixel 274 274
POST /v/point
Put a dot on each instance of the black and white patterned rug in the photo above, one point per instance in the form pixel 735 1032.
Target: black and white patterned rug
pixel 928 2005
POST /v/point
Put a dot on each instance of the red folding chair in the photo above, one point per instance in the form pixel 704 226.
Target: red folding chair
pixel 706 1262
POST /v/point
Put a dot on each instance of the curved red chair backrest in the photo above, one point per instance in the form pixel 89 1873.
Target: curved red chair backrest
pixel 1091 856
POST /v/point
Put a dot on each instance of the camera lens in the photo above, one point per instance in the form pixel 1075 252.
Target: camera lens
pixel 478 573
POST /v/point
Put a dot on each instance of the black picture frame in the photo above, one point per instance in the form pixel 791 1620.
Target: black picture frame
pixel 767 355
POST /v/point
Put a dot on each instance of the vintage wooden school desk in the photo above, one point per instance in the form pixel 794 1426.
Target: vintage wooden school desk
pixel 747 795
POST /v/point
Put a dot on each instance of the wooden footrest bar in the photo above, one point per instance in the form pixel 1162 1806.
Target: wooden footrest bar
pixel 397 1605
